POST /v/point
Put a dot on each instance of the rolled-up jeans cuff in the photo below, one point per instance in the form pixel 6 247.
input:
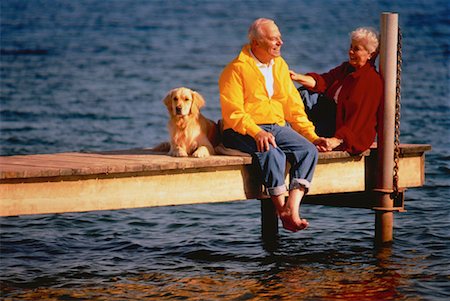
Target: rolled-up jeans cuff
pixel 299 183
pixel 276 190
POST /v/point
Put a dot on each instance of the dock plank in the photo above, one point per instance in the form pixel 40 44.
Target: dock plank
pixel 118 162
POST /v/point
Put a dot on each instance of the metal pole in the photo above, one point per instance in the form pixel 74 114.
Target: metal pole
pixel 384 216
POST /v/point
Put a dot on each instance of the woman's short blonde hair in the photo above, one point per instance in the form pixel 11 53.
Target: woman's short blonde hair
pixel 369 37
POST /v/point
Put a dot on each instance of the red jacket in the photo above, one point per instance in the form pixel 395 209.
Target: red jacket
pixel 357 103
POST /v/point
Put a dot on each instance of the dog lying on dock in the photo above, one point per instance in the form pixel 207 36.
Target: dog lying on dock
pixel 191 134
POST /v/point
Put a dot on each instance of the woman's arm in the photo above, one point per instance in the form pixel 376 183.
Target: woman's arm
pixel 305 80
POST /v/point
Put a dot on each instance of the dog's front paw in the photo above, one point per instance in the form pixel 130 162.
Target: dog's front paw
pixel 201 152
pixel 178 153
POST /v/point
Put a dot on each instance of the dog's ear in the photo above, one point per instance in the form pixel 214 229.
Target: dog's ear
pixel 198 102
pixel 167 101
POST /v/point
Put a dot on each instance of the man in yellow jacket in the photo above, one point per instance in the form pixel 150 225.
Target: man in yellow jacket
pixel 258 98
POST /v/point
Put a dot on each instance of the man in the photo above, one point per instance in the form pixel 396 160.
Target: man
pixel 257 97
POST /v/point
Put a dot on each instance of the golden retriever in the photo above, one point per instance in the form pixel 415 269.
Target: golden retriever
pixel 191 134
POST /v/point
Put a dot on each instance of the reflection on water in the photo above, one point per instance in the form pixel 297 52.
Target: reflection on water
pixel 379 279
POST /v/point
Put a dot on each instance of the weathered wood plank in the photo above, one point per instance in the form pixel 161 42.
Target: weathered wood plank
pixel 118 162
pixel 91 164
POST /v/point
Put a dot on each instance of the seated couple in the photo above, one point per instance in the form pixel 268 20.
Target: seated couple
pixel 264 115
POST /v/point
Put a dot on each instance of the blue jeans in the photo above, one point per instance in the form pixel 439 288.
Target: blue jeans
pixel 291 146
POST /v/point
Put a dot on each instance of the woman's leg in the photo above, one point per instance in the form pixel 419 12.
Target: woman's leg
pixel 321 111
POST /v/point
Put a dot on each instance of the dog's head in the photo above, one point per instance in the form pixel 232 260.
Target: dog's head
pixel 182 102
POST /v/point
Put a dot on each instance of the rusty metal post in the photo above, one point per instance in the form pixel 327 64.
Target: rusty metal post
pixel 384 215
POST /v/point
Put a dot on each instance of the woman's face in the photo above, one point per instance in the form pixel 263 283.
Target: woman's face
pixel 358 55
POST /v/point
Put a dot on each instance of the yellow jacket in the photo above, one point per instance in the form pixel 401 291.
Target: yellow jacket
pixel 245 101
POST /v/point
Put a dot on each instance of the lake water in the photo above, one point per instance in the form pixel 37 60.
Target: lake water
pixel 90 75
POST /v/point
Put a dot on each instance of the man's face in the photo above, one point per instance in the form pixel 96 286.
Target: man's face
pixel 270 42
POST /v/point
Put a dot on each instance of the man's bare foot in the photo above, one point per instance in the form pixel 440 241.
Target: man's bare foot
pixel 303 224
pixel 293 224
pixel 288 223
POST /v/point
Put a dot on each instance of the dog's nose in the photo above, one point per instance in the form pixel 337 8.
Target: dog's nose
pixel 178 110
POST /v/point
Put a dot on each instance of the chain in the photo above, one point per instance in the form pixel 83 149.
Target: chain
pixel 397 114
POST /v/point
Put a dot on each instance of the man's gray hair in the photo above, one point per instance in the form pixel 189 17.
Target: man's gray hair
pixel 254 32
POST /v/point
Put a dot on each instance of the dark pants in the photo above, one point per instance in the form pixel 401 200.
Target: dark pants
pixel 321 110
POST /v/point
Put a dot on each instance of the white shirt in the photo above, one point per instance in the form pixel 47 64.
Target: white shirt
pixel 336 95
pixel 267 72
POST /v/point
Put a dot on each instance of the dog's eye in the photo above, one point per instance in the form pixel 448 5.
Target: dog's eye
pixel 175 98
pixel 186 99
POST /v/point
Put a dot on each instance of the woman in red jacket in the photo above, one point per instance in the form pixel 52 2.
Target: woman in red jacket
pixel 350 94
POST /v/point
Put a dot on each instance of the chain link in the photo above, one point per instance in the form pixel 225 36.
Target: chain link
pixel 397 115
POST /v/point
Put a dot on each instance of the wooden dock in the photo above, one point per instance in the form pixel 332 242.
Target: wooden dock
pixel 76 182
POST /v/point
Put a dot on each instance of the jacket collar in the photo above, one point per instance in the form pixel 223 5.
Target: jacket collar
pixel 258 62
pixel 246 56
pixel 355 73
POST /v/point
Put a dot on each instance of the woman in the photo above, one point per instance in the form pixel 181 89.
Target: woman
pixel 354 89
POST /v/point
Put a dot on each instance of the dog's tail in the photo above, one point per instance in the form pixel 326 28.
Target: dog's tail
pixel 163 147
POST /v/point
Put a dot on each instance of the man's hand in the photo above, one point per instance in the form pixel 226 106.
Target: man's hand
pixel 321 144
pixel 263 140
